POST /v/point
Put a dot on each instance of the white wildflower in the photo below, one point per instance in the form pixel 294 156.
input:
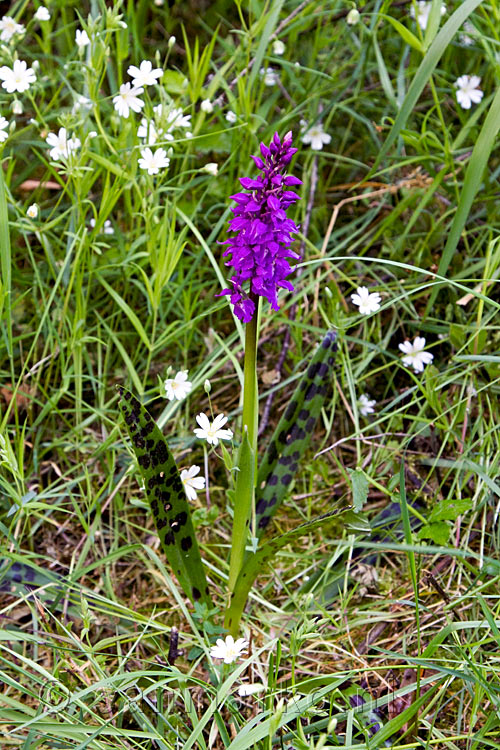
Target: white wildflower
pixel 211 168
pixel 229 649
pixel 144 75
pixel 18 78
pixel 153 161
pixel 128 99
pixel 81 38
pixel 61 145
pixel 9 28
pixel 150 133
pixel 270 76
pixel 248 688
pixel 278 47
pixel 368 302
pixel 4 124
pixel 353 17
pixel 316 136
pixel 207 106
pixel 32 211
pixel 176 119
pixel 423 12
pixel 178 387
pixel 107 227
pixel 468 92
pixel 231 117
pixel 415 355
pixel 42 14
pixel 366 405
pixel 212 432
pixel 191 482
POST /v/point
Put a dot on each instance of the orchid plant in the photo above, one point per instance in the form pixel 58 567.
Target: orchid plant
pixel 260 250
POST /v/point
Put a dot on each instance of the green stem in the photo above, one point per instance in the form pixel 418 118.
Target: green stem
pixel 245 479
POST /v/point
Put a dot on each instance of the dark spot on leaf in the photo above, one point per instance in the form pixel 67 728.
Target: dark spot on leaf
pixel 264 521
pixel 144 461
pixel 261 506
pixel 286 479
pixel 273 479
pixel 285 460
pixel 296 455
pixel 186 543
pixel 303 414
pixel 272 501
pixel 331 361
pixel 312 370
pixel 323 369
pixel 310 424
pixel 290 409
pixel 196 593
pixel 311 392
pixel 161 522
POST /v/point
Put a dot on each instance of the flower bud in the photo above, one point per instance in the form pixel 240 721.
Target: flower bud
pixel 353 17
pixel 171 42
pixel 211 168
pixel 32 211
pixel 207 385
pixel 207 106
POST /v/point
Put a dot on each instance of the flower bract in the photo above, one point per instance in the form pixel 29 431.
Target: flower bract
pixel 260 249
pixel 192 483
pixel 229 649
pixel 212 432
pixel 179 386
pixel 415 356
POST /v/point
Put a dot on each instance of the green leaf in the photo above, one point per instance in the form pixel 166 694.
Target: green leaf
pixel 166 496
pixel 405 34
pixel 174 82
pixel 244 493
pixel 359 488
pixel 293 433
pixel 255 563
pixel 450 510
pixel 439 532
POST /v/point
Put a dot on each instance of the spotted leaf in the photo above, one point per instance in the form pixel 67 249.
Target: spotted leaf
pixel 293 433
pixel 166 496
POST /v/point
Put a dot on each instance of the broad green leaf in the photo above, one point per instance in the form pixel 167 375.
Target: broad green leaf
pixel 405 34
pixel 439 532
pixel 450 510
pixel 359 488
pixel 293 433
pixel 166 496
pixel 255 563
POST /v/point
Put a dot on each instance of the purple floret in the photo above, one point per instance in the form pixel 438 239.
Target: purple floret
pixel 260 248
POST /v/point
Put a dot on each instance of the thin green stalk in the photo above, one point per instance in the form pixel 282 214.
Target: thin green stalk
pixel 245 481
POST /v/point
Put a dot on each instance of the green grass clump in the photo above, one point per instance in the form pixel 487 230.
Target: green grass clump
pixel 380 634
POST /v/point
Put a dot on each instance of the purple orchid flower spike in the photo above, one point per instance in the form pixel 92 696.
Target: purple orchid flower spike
pixel 260 248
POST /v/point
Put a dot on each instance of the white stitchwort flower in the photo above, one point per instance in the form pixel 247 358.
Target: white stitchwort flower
pixel 175 118
pixel 148 130
pixel 61 145
pixel 128 99
pixel 366 405
pixel 191 482
pixel 9 28
pixel 368 302
pixel 207 106
pixel 4 124
pixel 42 14
pixel 144 75
pixel 179 386
pixel 212 432
pixel 211 168
pixel 415 355
pixel 153 161
pixel 248 688
pixel 423 12
pixel 316 136
pixel 229 649
pixel 278 47
pixel 465 39
pixel 468 92
pixel 18 78
pixel 270 76
pixel 107 227
pixel 82 38
pixel 353 17
pixel 230 116
pixel 32 211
